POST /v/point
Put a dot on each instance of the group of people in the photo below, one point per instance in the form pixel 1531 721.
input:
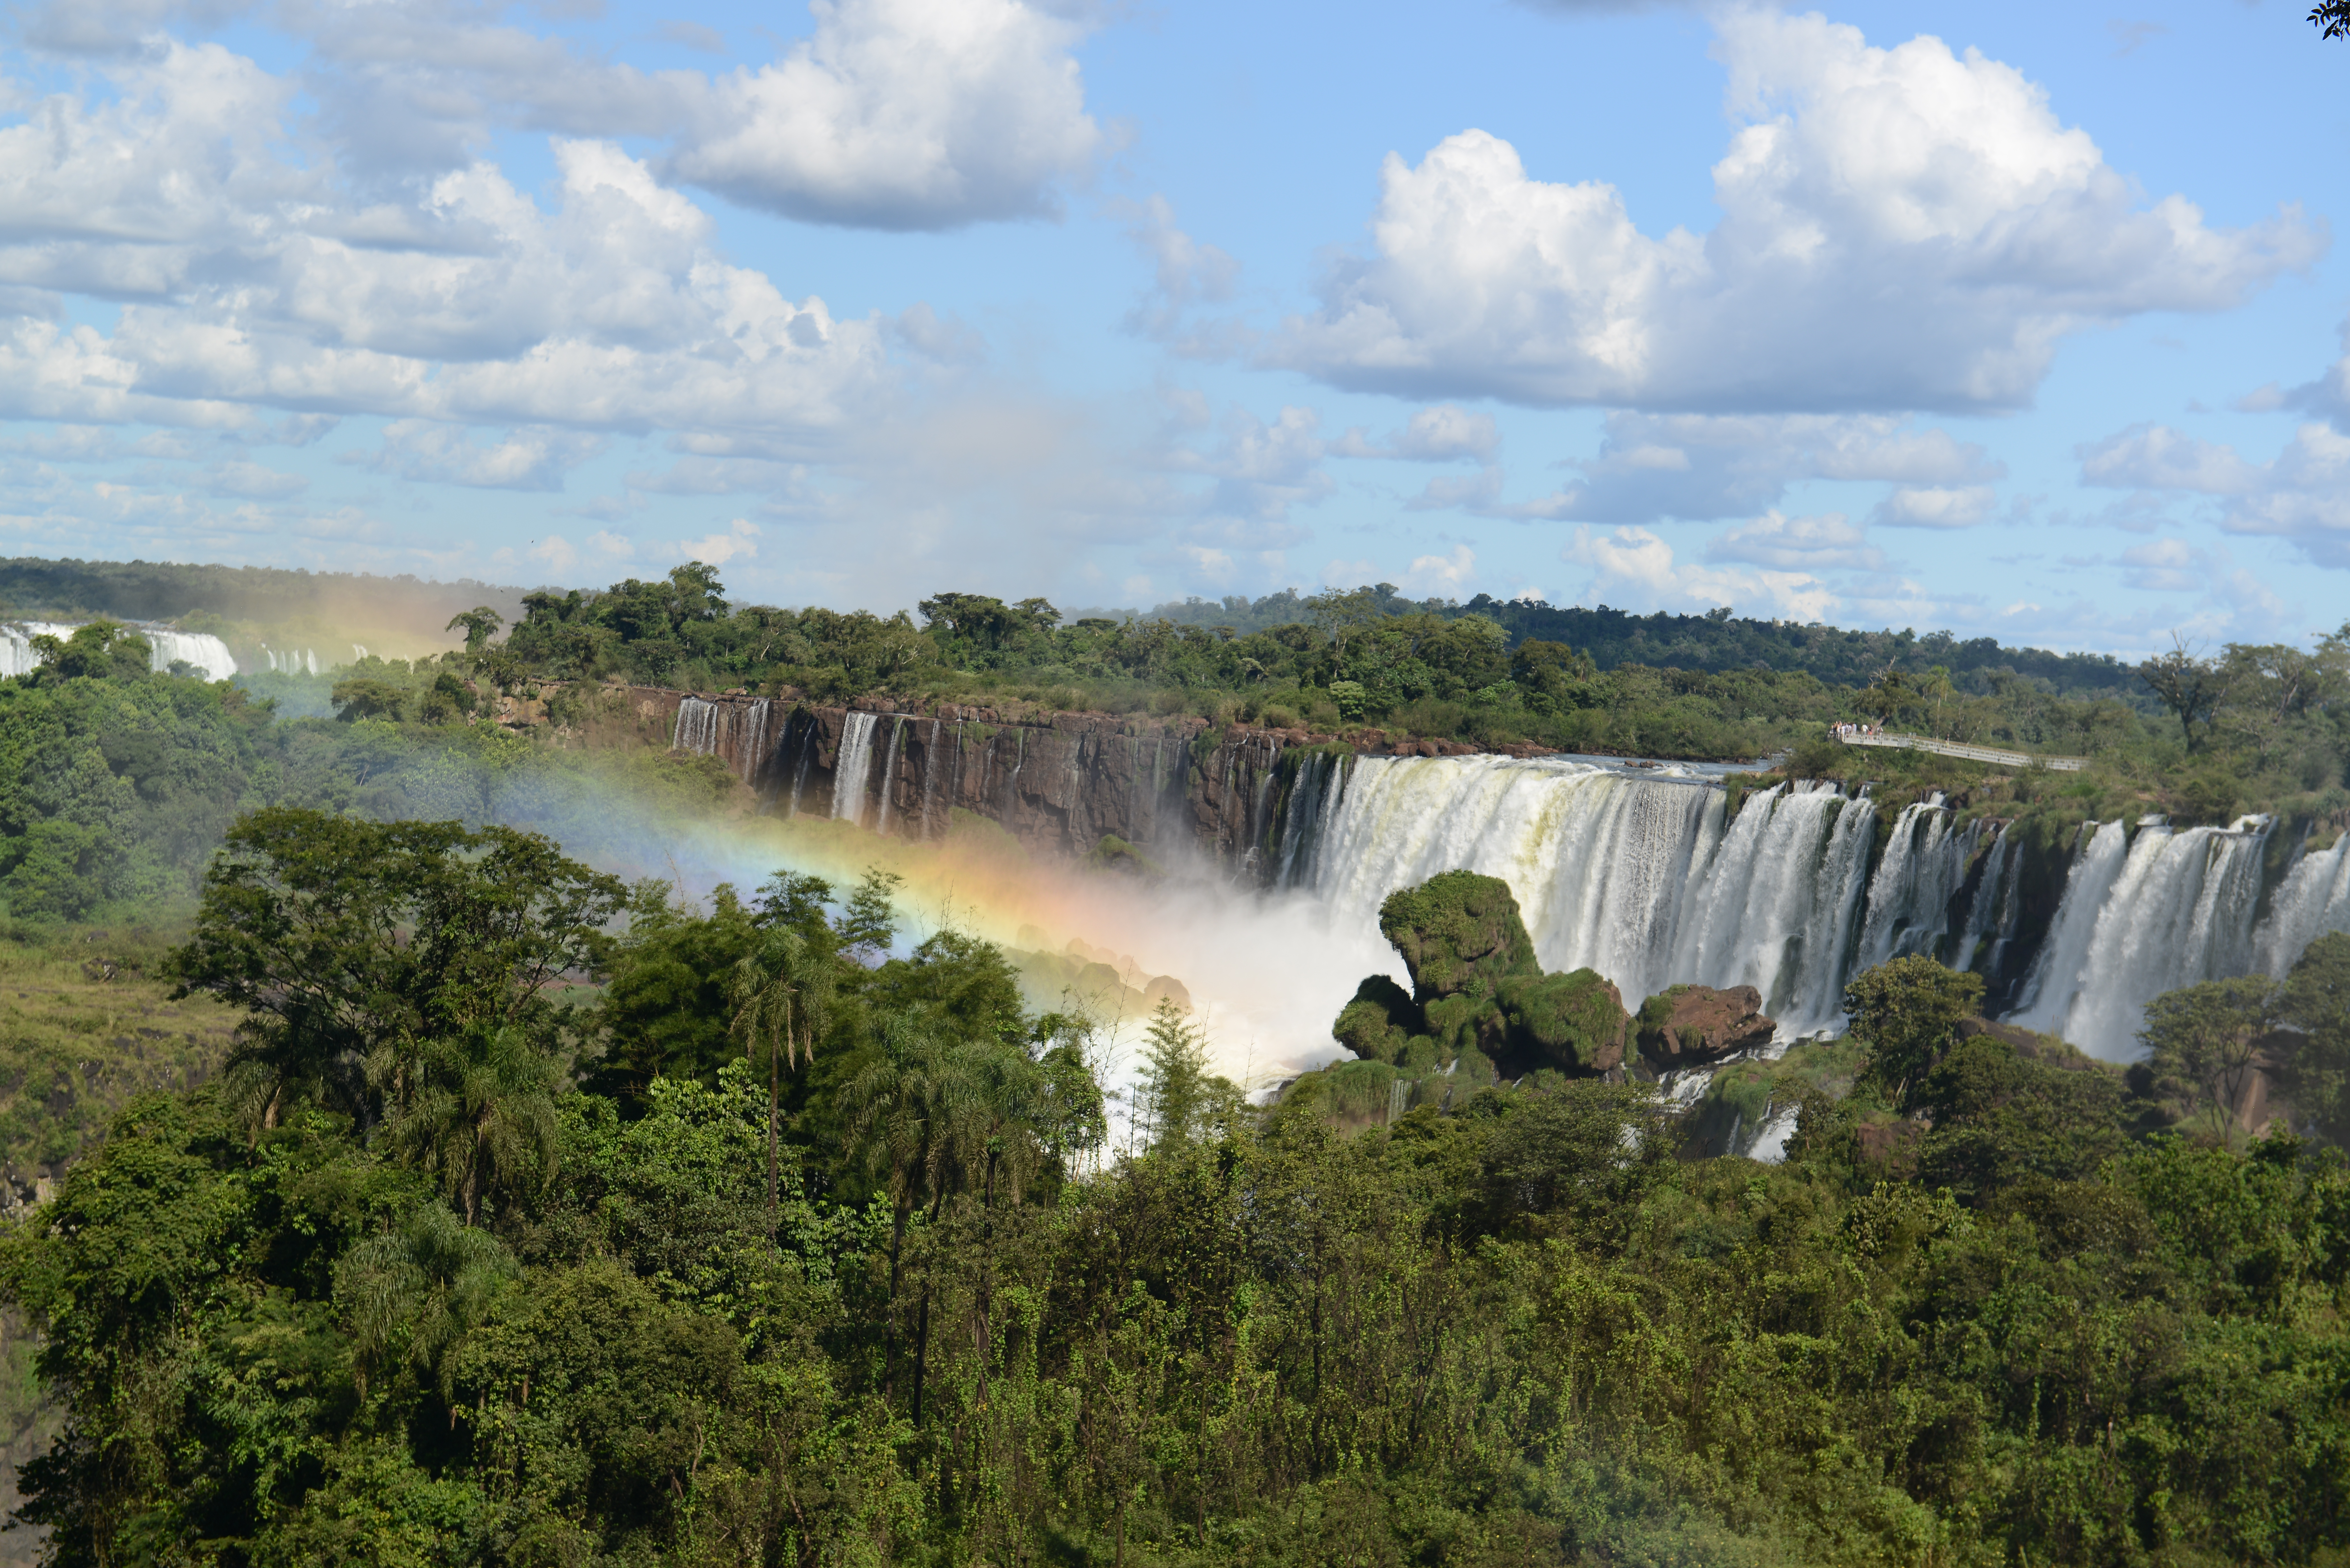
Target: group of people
pixel 1847 731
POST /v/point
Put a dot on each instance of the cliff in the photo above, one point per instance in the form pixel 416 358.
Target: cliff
pixel 1060 783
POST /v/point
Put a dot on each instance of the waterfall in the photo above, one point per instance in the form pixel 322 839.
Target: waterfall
pixel 2313 899
pixel 810 734
pixel 1637 878
pixel 931 774
pixel 755 742
pixel 849 768
pixel 697 727
pixel 164 648
pixel 889 773
pixel 2174 909
pixel 1910 897
pixel 1991 917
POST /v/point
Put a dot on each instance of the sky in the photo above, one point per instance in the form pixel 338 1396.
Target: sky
pixel 2015 321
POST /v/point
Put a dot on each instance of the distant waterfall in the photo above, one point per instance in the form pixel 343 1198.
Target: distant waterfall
pixel 889 773
pixel 697 727
pixel 165 647
pixel 849 771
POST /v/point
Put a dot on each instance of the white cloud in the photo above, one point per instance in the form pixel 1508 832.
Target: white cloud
pixel 1705 466
pixel 1901 228
pixel 1826 543
pixel 2302 496
pixel 611 547
pixel 1443 433
pixel 901 114
pixel 1632 568
pixel 740 541
pixel 1433 575
pixel 253 280
pixel 1935 507
pixel 554 553
pixel 1185 273
pixel 525 459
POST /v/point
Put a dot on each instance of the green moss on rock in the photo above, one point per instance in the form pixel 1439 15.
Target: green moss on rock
pixel 1574 1022
pixel 1380 1022
pixel 1458 932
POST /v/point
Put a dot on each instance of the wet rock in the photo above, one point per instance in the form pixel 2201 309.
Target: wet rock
pixel 1683 1025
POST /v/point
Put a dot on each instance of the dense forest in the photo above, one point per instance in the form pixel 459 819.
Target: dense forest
pixel 427 1196
pixel 538 1219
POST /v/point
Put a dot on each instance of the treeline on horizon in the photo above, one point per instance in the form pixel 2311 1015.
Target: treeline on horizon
pixel 1716 641
pixel 537 1219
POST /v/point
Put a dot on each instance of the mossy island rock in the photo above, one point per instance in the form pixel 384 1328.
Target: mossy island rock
pixel 1480 1001
pixel 1688 1025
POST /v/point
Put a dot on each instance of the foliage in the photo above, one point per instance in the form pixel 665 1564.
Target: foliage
pixel 2204 1043
pixel 1907 1012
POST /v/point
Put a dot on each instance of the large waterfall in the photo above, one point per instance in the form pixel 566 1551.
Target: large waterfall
pixel 1641 878
pixel 1636 879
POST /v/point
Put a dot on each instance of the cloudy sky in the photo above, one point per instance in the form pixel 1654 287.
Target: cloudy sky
pixel 2012 319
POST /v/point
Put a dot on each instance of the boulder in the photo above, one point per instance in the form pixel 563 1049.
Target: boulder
pixel 1574 1022
pixel 1459 933
pixel 1683 1025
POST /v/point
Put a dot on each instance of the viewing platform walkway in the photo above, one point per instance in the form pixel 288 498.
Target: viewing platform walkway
pixel 1961 748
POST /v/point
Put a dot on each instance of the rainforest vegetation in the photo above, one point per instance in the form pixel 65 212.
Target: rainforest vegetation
pixel 536 1218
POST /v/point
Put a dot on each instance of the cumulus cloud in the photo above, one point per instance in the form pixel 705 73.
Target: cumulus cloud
pixel 1903 228
pixel 1185 273
pixel 446 454
pixel 1826 543
pixel 1632 568
pixel 251 280
pixel 1935 506
pixel 901 114
pixel 1707 467
pixel 739 541
pixel 1444 433
pixel 1447 573
pixel 2303 494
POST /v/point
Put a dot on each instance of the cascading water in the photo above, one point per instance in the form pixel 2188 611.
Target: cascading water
pixel 1910 897
pixel 1634 877
pixel 697 727
pixel 2175 908
pixel 930 776
pixel 2313 899
pixel 165 647
pixel 848 770
pixel 889 773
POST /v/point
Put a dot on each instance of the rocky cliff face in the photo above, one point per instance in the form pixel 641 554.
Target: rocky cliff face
pixel 1060 783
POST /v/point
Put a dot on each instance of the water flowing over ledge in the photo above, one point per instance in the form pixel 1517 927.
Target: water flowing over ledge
pixel 1643 876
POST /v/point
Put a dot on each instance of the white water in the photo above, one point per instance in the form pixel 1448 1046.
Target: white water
pixel 2173 910
pixel 2314 900
pixel 164 645
pixel 1633 878
pixel 848 770
pixel 697 727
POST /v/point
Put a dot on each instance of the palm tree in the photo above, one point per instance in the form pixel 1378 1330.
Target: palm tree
pixel 786 969
pixel 921 1123
pixel 413 1293
pixel 479 1112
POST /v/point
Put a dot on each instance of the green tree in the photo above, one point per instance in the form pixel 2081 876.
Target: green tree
pixel 2331 18
pixel 357 947
pixel 103 650
pixel 2204 1043
pixel 2314 1058
pixel 476 1111
pixel 365 698
pixel 785 973
pixel 481 624
pixel 2192 688
pixel 1905 1013
pixel 1176 1096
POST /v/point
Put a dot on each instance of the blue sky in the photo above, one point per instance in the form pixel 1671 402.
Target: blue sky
pixel 2013 322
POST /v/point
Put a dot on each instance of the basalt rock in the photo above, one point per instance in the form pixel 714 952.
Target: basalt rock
pixel 1480 1001
pixel 1684 1026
